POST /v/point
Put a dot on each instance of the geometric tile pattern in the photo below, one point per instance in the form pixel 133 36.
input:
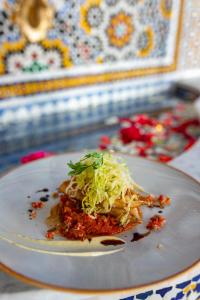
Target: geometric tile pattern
pixel 115 39
pixel 189 290
pixel 94 32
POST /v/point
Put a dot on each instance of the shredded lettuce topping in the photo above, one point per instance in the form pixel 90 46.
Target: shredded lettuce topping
pixel 98 180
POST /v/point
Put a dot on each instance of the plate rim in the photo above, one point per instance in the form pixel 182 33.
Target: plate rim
pixel 135 289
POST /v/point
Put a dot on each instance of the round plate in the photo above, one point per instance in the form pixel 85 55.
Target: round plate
pixel 158 256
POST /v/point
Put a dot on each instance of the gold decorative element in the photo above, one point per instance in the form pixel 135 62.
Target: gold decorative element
pixel 22 89
pixel 189 287
pixel 34 17
pixel 10 47
pixel 165 10
pixel 49 44
pixel 84 12
pixel 149 45
pixel 120 30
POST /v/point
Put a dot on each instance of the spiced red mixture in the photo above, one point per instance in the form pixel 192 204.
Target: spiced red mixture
pixel 156 223
pixel 74 224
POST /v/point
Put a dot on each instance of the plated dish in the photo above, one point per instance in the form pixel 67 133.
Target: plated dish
pixel 158 260
pixel 100 198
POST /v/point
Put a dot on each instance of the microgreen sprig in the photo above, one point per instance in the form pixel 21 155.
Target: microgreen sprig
pixel 80 166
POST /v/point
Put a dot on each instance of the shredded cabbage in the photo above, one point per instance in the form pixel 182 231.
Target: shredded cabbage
pixel 103 184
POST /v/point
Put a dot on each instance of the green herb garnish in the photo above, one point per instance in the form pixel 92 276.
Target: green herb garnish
pixel 93 159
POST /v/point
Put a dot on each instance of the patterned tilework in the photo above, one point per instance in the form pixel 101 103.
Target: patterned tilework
pixel 25 123
pixel 34 59
pixel 190 43
pixel 35 107
pixel 93 31
pixel 115 39
pixel 187 290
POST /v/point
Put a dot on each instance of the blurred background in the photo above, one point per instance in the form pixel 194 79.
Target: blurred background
pixel 112 74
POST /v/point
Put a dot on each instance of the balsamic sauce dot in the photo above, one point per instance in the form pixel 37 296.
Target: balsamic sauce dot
pixel 44 199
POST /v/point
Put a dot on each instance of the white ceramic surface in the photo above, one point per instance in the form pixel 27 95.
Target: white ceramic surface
pixel 141 263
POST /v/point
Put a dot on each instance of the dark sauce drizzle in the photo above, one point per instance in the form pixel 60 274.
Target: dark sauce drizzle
pixel 138 236
pixel 44 199
pixel 43 190
pixel 30 211
pixel 112 242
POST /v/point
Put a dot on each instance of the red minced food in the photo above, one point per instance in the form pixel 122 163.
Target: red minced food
pixel 50 235
pixel 37 204
pixel 156 223
pixel 77 225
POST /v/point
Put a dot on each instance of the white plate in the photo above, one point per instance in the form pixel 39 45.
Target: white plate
pixel 140 263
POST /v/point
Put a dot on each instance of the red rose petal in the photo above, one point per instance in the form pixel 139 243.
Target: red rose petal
pixel 34 156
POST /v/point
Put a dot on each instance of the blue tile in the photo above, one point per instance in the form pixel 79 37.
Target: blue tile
pixel 164 291
pixel 196 278
pixel 182 285
pixel 179 296
pixel 144 296
pixel 197 289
